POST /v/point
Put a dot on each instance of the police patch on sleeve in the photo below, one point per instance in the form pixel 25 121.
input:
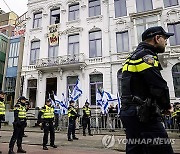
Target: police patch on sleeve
pixel 149 59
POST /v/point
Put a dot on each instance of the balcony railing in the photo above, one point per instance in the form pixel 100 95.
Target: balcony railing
pixel 61 61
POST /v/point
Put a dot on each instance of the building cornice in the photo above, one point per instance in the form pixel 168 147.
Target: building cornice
pixel 157 11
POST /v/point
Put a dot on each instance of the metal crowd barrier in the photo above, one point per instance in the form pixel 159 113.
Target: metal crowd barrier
pixel 107 122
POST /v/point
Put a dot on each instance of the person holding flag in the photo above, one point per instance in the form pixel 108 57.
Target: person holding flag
pixel 86 118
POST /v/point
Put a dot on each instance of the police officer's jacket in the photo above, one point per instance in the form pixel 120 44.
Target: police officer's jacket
pixel 72 113
pixel 2 109
pixel 141 77
pixel 46 114
pixel 86 111
pixel 20 113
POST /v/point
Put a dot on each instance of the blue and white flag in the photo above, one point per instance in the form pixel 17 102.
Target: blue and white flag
pixel 77 92
pixel 99 97
pixel 62 104
pixel 65 105
pixel 119 103
pixel 104 99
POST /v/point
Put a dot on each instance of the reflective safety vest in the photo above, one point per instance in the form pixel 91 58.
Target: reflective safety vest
pixel 139 65
pixel 22 111
pixel 87 110
pixel 2 108
pixel 48 112
pixel 174 114
pixel 69 112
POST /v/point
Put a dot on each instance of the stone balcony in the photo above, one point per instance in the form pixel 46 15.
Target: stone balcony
pixel 63 62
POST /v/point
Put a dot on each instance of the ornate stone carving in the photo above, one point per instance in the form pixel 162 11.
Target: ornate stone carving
pixel 94 19
pixel 60 73
pixel 35 10
pixel 73 30
pixel 173 16
pixel 121 21
pixel 72 1
pixel 95 29
pixel 40 75
pixel 53 6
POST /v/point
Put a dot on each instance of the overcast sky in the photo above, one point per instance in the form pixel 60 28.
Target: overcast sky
pixel 18 6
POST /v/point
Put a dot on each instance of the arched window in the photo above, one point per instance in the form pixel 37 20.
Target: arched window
pixel 119 77
pixel 176 79
pixel 96 82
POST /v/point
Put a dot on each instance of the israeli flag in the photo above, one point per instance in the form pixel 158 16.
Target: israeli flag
pixel 65 104
pixel 77 92
pixel 119 103
pixel 99 98
pixel 61 103
pixel 104 99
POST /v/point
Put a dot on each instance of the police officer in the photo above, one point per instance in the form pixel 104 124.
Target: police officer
pixel 2 108
pixel 144 91
pixel 18 125
pixel 47 114
pixel 86 118
pixel 72 115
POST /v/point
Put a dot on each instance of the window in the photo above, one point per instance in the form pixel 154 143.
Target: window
pixel 3 46
pixel 34 53
pixel 120 8
pixel 73 44
pixel 95 44
pixel 53 51
pixel 55 16
pixel 119 78
pixel 143 23
pixel 13 54
pixel 10 84
pixel 122 42
pixel 37 20
pixel 144 5
pixel 1 67
pixel 73 12
pixel 96 82
pixel 168 3
pixel 176 79
pixel 174 28
pixel 94 8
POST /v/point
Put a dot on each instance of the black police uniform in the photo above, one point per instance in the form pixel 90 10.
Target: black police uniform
pixel 86 119
pixel 2 111
pixel 72 115
pixel 19 124
pixel 47 114
pixel 141 78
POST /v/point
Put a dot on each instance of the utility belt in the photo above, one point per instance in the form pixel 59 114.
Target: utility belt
pixel 147 110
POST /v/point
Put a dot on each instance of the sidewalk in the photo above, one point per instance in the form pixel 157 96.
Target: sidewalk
pixel 85 144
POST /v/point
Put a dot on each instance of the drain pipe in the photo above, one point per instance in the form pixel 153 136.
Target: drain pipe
pixel 109 34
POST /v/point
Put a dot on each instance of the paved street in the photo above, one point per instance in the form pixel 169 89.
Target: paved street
pixel 88 144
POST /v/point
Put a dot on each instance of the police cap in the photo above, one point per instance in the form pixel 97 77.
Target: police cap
pixel 71 101
pixel 48 100
pixel 22 98
pixel 153 31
